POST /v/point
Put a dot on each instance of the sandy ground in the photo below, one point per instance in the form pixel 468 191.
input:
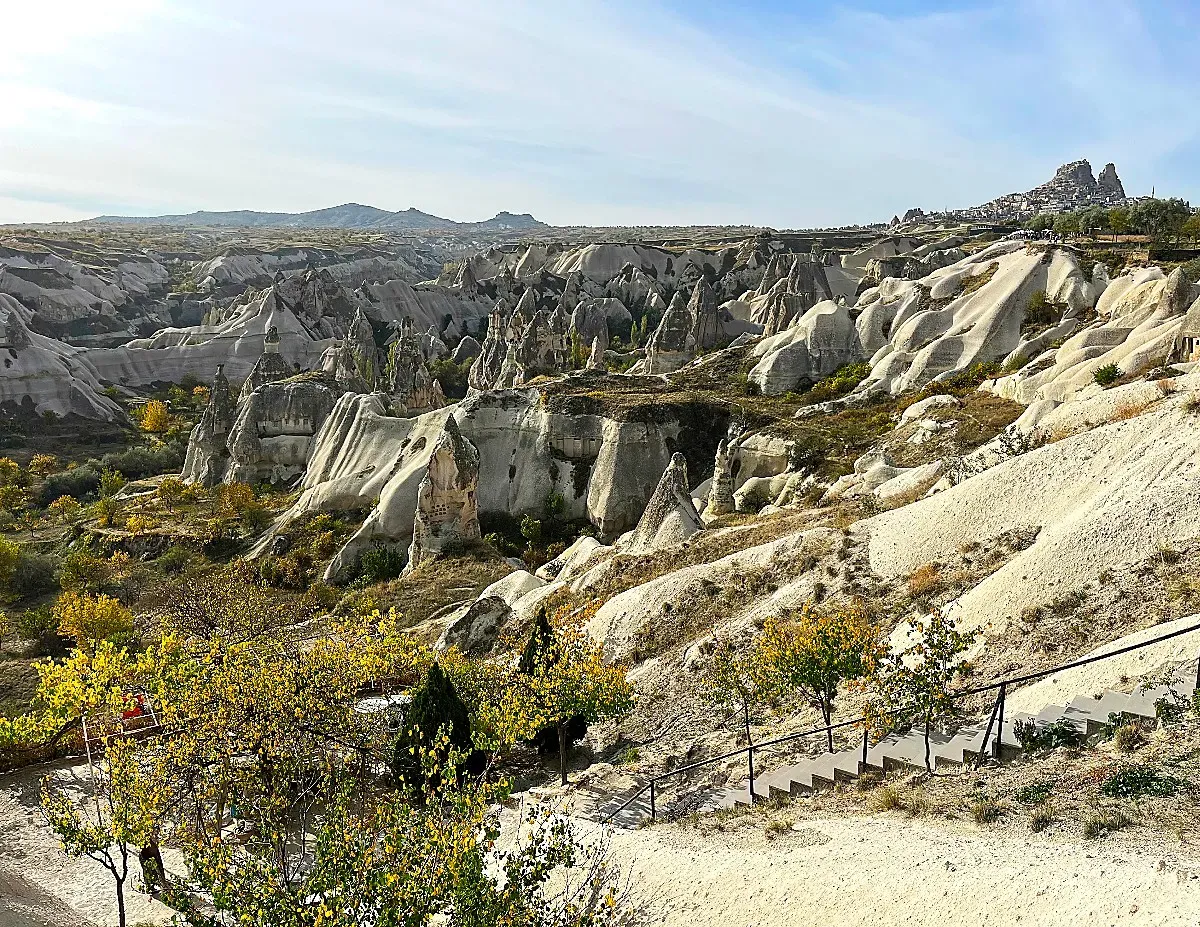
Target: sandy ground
pixel 39 883
pixel 878 871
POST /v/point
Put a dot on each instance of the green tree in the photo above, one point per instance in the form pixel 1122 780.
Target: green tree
pixel 1067 224
pixel 1118 221
pixel 1042 222
pixel 1191 227
pixel 436 713
pixel 816 650
pixel 917 683
pixel 736 680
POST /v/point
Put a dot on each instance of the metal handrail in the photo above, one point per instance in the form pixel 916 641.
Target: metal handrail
pixel 997 711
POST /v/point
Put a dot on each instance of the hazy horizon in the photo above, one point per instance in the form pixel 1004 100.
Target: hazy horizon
pixel 765 113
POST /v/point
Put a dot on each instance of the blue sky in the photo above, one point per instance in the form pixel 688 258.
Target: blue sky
pixel 586 111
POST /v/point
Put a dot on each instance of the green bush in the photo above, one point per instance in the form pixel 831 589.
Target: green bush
pixel 838 383
pixel 1107 375
pixel 379 563
pixel 175 560
pixel 1135 780
pixel 1049 737
pixel 34 623
pixel 35 574
pixel 1034 794
pixel 80 483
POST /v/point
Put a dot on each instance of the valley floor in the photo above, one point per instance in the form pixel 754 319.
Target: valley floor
pixel 879 871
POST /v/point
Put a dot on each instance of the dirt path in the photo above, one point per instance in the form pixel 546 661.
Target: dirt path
pixel 39 884
pixel 877 871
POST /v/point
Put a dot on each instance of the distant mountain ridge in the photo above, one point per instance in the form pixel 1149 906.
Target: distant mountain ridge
pixel 346 216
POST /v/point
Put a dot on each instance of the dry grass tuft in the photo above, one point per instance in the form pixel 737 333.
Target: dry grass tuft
pixel 1041 818
pixel 925 581
pixel 1128 410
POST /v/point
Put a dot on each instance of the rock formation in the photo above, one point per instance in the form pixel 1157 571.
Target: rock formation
pixel 273 432
pixel 720 493
pixel 667 349
pixel 270 367
pixel 670 515
pixel 208 445
pixel 1072 187
pixel 412 387
pixel 596 359
pixel 447 513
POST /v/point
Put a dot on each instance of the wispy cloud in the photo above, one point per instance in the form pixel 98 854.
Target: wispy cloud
pixel 585 111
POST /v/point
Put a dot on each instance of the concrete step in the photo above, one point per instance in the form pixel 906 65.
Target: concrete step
pixel 898 751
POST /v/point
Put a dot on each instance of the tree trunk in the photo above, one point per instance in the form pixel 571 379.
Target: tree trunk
pixel 121 902
pixel 928 765
pixel 562 751
pixel 827 714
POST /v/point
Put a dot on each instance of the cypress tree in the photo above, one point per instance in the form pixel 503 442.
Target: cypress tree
pixel 436 706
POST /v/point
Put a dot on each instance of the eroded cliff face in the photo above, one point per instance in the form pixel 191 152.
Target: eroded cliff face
pixel 604 464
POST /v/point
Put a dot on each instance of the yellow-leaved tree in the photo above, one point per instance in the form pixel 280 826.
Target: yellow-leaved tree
pixel 563 682
pixel 814 650
pixel 154 417
pixel 90 619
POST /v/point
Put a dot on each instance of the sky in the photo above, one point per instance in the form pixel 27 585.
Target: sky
pixel 586 112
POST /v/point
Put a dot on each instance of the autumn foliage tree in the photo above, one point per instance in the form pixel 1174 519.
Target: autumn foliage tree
pixel 562 678
pixel 87 620
pixel 812 652
pixel 155 417
pixel 916 684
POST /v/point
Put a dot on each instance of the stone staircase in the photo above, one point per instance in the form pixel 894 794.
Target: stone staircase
pixel 898 751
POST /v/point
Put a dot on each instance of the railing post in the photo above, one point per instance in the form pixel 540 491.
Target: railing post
pixel 653 809
pixel 750 760
pixel 1000 722
pixel 1197 677
pixel 865 743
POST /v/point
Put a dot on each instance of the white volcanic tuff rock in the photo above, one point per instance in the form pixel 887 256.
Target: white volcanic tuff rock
pixel 427 304
pixel 601 263
pixel 273 433
pixel 857 261
pixel 241 266
pixel 46 374
pixel 447 513
pixel 605 470
pixel 54 300
pixel 1141 314
pixel 915 340
pixel 1100 500
pixel 208 445
pixel 670 516
pixel 820 342
pixel 235 343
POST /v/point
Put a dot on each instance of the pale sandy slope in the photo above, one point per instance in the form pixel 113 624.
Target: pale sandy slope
pixel 881 871
pixel 39 883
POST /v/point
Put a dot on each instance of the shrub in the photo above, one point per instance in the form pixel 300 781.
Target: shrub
pixel 838 383
pixel 1107 375
pixel 1128 737
pixel 1135 780
pixel 986 810
pixel 1048 737
pixel 1039 311
pixel 139 524
pixel 175 560
pixel 1105 821
pixel 43 465
pixel 380 563
pixel 1035 794
pixel 888 799
pixel 1041 818
pixel 925 581
pixel 35 574
pixel 78 483
pixel 33 623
